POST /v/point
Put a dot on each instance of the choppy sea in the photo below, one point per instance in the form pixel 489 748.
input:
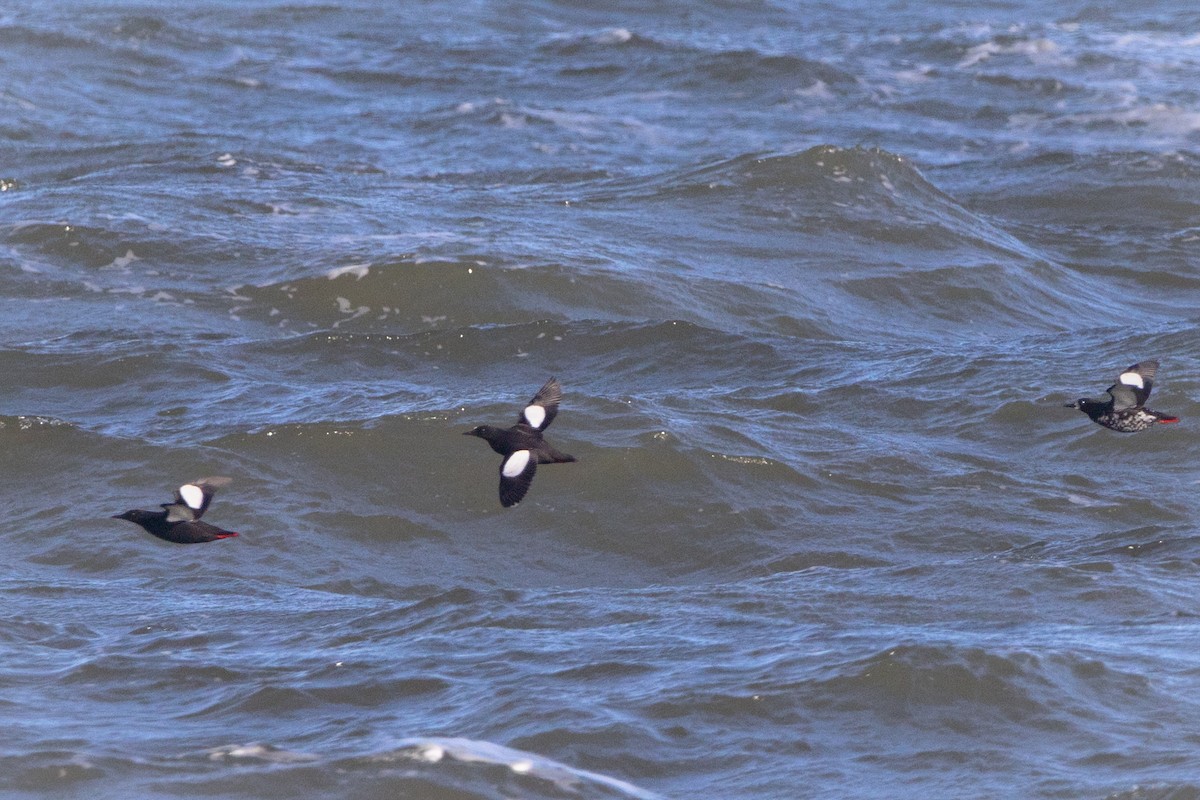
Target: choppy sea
pixel 817 280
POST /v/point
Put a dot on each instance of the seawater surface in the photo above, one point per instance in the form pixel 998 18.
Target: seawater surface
pixel 817 280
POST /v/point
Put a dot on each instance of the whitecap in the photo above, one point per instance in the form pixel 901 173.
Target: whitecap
pixel 121 262
pixel 613 36
pixel 359 271
pixel 258 752
pixel 473 751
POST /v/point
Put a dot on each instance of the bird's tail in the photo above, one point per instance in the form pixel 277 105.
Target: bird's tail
pixel 559 458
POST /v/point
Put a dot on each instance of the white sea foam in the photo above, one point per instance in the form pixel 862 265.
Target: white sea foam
pixel 346 307
pixel 613 36
pixel 473 751
pixel 359 271
pixel 258 752
pixel 1037 51
pixel 121 262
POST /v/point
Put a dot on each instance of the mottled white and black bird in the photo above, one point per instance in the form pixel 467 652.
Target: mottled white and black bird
pixel 1123 406
pixel 179 521
pixel 522 445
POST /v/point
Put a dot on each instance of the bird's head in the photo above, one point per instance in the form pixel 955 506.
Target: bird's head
pixel 483 432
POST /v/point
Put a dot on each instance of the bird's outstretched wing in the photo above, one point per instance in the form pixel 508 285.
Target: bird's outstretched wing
pixel 192 499
pixel 516 475
pixel 543 407
pixel 1132 388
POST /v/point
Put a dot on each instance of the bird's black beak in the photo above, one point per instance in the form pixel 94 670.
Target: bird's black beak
pixel 1071 405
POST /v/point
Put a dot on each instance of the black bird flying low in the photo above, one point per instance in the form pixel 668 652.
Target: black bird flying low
pixel 179 521
pixel 1123 406
pixel 522 445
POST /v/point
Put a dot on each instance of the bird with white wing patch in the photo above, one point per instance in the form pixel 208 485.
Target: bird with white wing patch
pixel 522 445
pixel 1123 407
pixel 179 521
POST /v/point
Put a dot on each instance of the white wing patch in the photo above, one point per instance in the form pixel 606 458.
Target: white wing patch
pixel 515 464
pixel 1132 379
pixel 535 416
pixel 192 495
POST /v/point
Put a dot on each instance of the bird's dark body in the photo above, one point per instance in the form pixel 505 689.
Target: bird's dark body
pixel 155 523
pixel 1129 420
pixel 1123 408
pixel 507 441
pixel 522 445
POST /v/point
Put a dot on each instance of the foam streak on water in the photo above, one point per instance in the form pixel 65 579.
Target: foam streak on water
pixel 817 284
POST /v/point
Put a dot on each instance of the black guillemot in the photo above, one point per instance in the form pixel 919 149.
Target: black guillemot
pixel 522 445
pixel 1123 407
pixel 179 521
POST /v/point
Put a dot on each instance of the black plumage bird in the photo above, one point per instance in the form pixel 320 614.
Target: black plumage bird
pixel 179 521
pixel 522 445
pixel 1123 406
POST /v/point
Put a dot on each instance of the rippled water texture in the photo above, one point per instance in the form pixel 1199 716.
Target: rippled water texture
pixel 817 283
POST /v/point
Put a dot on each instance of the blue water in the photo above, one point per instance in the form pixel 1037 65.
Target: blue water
pixel 817 283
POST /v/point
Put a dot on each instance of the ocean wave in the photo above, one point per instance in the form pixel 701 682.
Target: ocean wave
pixel 471 769
pixel 57 769
pixel 1031 689
pixel 559 775
pixel 428 767
pixel 24 424
pixel 416 295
